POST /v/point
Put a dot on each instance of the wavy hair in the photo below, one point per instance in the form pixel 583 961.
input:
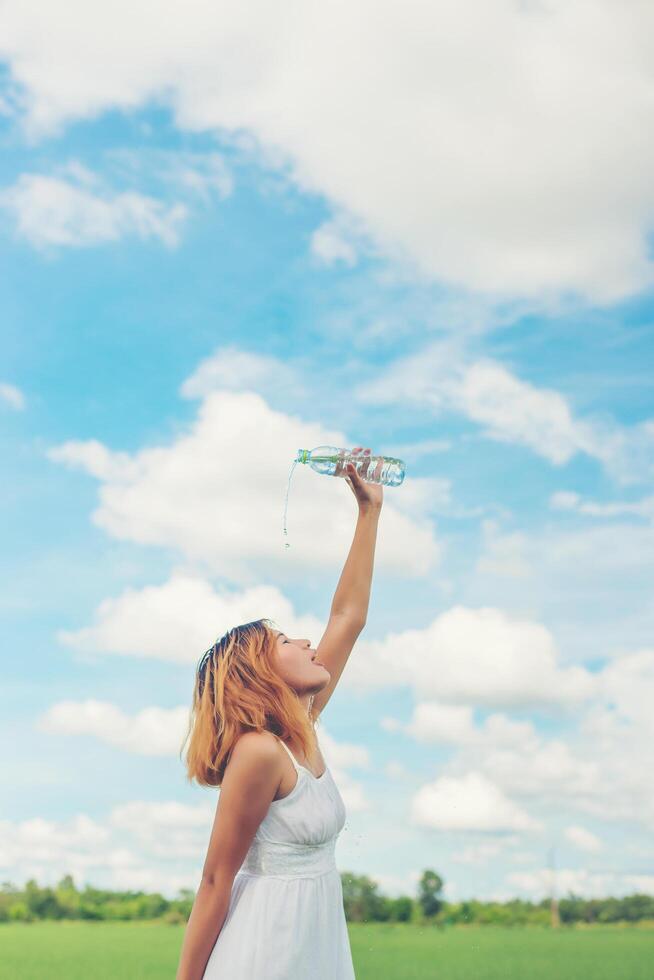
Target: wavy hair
pixel 238 689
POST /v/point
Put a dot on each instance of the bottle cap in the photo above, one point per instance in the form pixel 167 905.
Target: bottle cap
pixel 302 456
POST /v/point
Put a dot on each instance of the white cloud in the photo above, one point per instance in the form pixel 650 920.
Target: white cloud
pixel 505 553
pixel 443 378
pixel 164 828
pixel 95 458
pixel 477 854
pixel 48 849
pixel 579 881
pixel 415 450
pixel 232 369
pixel 200 174
pixel 584 839
pixel 395 769
pixel 156 731
pixel 160 845
pixel 594 768
pixel 6 107
pixel 433 722
pixel 180 619
pixel 591 584
pixel 331 243
pixel 341 757
pixel 627 686
pixel 472 656
pixel 396 885
pixel 152 731
pixel 390 724
pixel 39 835
pixel 523 857
pixel 153 846
pixel 12 396
pixel 216 494
pixel 546 200
pixel 50 211
pixel 618 730
pixel 512 756
pixel 423 495
pixel 514 411
pixel 568 500
pixel 469 803
pixel 548 772
pixel 146 844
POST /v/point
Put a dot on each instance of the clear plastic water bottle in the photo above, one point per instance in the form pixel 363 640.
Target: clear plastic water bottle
pixel 331 461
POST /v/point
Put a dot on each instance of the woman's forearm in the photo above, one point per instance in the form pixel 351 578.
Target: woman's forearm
pixel 352 594
pixel 205 922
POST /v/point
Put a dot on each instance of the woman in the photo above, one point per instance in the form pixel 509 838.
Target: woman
pixel 270 902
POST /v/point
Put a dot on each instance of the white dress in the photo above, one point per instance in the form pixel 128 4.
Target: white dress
pixel 285 919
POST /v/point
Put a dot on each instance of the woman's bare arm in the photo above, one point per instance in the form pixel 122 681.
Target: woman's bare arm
pixel 251 780
pixel 352 594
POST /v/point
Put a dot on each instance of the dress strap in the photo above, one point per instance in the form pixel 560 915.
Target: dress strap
pixel 293 759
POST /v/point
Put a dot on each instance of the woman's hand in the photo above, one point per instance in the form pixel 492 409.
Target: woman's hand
pixel 370 496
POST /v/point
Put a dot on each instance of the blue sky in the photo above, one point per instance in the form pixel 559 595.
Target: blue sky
pixel 202 275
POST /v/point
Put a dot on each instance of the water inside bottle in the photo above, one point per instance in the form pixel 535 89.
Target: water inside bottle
pixel 288 488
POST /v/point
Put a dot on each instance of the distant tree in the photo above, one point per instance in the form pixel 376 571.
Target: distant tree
pixel 636 907
pixel 92 901
pixel 19 912
pixel 183 903
pixel 174 917
pixel 42 902
pixel 151 906
pixel 429 889
pixel 361 900
pixel 67 898
pixel 571 908
pixel 401 909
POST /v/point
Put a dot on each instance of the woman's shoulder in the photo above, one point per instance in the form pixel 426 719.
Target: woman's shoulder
pixel 255 760
pixel 256 748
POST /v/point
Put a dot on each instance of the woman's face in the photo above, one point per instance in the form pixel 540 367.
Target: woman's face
pixel 296 665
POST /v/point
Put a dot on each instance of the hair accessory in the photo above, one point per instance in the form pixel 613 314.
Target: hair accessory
pixel 208 653
pixel 205 658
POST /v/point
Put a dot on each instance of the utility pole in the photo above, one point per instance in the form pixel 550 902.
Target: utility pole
pixel 555 921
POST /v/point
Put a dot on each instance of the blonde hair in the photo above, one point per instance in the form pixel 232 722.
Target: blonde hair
pixel 238 689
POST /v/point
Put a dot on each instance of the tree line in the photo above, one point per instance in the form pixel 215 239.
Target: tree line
pixel 362 900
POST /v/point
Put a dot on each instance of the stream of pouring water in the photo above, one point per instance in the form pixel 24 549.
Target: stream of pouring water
pixel 288 488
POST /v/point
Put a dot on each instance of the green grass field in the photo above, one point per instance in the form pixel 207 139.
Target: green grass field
pixel 145 951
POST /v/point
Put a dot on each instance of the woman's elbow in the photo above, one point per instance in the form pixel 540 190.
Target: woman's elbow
pixel 216 880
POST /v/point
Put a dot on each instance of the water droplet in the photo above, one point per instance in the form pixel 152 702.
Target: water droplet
pixel 288 489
